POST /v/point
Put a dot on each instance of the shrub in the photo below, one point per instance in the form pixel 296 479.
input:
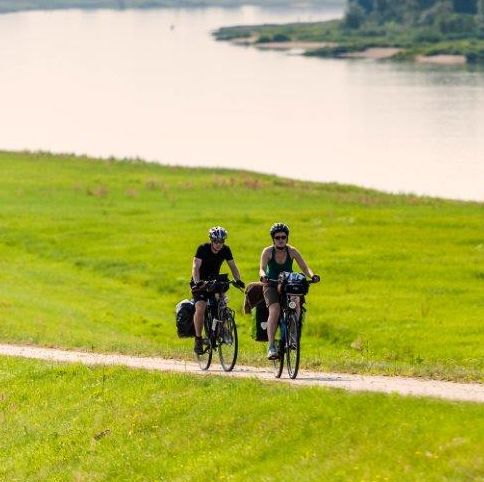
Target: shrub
pixel 427 35
pixel 264 39
pixel 280 37
pixel 475 57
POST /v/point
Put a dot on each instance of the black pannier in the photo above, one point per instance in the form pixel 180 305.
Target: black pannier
pixel 184 319
pixel 259 322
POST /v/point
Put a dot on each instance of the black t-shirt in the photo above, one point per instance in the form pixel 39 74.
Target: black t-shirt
pixel 211 262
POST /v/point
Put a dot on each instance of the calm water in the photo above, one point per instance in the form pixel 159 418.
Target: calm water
pixel 155 85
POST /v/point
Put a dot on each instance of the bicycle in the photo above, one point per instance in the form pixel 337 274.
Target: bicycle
pixel 292 287
pixel 219 328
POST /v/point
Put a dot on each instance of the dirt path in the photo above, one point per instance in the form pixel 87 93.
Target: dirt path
pixel 472 392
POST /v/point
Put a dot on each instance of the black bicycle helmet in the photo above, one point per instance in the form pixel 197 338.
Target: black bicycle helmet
pixel 279 228
pixel 217 232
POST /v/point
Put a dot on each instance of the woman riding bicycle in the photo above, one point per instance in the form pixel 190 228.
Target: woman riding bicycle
pixel 274 260
pixel 206 265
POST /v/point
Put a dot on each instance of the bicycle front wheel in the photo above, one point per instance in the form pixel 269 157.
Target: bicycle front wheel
pixel 293 345
pixel 228 342
pixel 278 364
pixel 205 359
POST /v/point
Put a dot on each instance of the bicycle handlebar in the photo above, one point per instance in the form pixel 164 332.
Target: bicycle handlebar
pixel 211 285
pixel 278 281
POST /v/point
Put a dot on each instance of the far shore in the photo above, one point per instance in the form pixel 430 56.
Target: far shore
pixel 374 53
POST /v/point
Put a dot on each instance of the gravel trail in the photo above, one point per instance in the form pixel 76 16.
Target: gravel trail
pixel 470 392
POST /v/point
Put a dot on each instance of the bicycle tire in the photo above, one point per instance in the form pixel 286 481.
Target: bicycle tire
pixel 228 342
pixel 293 345
pixel 205 359
pixel 278 364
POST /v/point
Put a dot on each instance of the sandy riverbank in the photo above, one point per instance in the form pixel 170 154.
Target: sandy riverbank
pixel 376 53
pixel 305 46
pixel 441 59
pixel 292 45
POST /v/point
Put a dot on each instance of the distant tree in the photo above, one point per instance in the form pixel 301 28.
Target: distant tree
pixel 411 13
pixel 446 16
pixel 354 16
pixel 366 5
pixel 456 23
pixel 426 4
pixel 480 15
pixel 465 6
pixel 394 10
pixel 437 13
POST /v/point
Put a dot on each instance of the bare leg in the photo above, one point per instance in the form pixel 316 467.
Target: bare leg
pixel 272 321
pixel 198 317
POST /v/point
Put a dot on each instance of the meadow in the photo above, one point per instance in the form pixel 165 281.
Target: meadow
pixel 74 423
pixel 94 255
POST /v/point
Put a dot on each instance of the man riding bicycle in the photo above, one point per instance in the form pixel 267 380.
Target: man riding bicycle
pixel 206 266
pixel 274 260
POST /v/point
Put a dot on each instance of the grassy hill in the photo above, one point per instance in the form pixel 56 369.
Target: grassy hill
pixel 95 254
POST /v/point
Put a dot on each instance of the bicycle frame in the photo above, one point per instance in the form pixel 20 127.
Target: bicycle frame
pixel 289 325
pixel 219 327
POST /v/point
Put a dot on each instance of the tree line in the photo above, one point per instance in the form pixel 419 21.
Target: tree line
pixel 446 16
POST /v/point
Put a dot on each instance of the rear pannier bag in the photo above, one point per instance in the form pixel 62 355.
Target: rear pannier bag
pixel 184 319
pixel 259 322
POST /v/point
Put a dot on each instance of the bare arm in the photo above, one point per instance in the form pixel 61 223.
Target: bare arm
pixel 197 262
pixel 234 269
pixel 301 263
pixel 264 259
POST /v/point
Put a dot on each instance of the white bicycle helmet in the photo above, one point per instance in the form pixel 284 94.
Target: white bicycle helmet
pixel 217 232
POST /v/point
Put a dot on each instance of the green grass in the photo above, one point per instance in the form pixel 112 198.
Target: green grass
pixel 95 254
pixel 73 423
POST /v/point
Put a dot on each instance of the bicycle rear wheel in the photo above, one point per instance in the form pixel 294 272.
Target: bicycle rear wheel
pixel 205 359
pixel 293 345
pixel 228 342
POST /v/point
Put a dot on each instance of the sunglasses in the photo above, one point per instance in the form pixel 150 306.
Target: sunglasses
pixel 280 237
pixel 218 241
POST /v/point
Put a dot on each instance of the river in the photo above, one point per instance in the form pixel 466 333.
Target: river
pixel 154 84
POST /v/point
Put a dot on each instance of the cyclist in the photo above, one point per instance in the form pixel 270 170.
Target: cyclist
pixel 206 265
pixel 274 260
